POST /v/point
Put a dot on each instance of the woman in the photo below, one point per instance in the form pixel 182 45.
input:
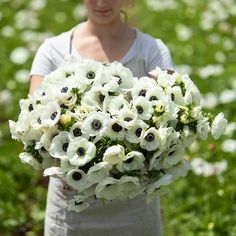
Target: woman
pixel 105 38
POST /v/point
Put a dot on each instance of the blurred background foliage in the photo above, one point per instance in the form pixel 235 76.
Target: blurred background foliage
pixel 201 37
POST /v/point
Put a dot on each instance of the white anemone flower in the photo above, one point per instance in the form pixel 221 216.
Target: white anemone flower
pixel 77 203
pixel 97 96
pixel 155 93
pixel 150 140
pixel 29 159
pixel 130 187
pixel 142 86
pixel 98 172
pixel 80 151
pixel 46 138
pixel 127 118
pixel 134 134
pixel 77 179
pixel 59 145
pixel 143 108
pixel 163 78
pixel 164 180
pixel 95 124
pixel 114 154
pixel 126 80
pixel 27 105
pixel 173 156
pixel 133 160
pixel 53 171
pixel 116 104
pixel 219 125
pixel 36 121
pixel 90 71
pixel 76 131
pixel 179 170
pixel 50 114
pixel 114 130
pixel 31 136
pixel 24 122
pixel 109 188
pixel 175 95
pixel 203 128
pixel 164 133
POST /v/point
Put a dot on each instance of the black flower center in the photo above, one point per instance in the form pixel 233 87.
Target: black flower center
pixel 78 203
pixel 64 89
pixel 96 124
pixel 142 92
pixel 65 146
pixel 31 107
pixel 63 106
pixel 138 132
pixel 139 109
pixel 54 115
pixel 153 98
pixel 90 75
pixel 120 80
pixel 39 121
pixel 150 137
pixel 128 161
pixel 171 153
pixel 76 176
pixel 116 127
pixel 43 93
pixel 128 119
pixel 77 132
pixel 80 151
pixel 68 74
pixel 101 97
pixel 172 97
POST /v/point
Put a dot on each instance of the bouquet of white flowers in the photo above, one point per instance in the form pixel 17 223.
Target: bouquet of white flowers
pixel 110 135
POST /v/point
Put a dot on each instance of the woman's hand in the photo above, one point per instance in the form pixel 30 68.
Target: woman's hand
pixel 35 81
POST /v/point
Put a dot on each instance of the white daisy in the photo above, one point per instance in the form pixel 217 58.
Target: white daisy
pixel 80 151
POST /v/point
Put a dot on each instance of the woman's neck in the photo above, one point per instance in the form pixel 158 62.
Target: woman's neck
pixel 113 29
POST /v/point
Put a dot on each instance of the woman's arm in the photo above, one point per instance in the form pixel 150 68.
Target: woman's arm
pixel 35 81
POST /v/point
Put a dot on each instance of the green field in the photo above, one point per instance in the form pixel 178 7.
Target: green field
pixel 201 36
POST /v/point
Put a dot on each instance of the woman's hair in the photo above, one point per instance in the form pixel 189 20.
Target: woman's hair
pixel 128 4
